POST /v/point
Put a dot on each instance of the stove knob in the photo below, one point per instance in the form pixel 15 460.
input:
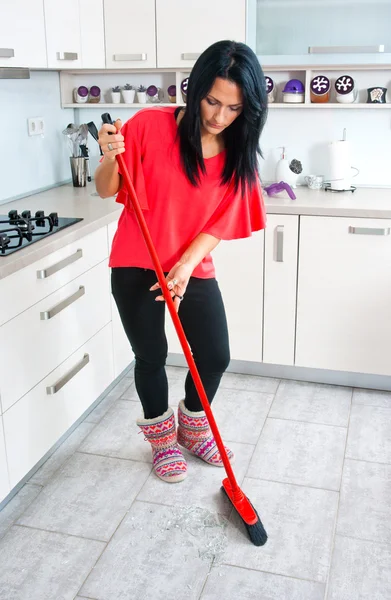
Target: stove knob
pixel 39 214
pixel 13 214
pixel 54 218
pixel 26 214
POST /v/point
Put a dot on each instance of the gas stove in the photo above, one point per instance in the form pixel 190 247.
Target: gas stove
pixel 20 230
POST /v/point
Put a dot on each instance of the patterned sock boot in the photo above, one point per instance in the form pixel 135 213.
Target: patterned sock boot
pixel 168 461
pixel 195 435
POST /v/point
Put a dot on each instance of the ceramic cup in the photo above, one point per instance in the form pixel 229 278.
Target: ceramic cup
pixel 314 182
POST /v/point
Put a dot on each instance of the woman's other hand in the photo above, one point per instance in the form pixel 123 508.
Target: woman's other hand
pixel 177 281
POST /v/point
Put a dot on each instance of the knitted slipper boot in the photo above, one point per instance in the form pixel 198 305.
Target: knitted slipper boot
pixel 195 435
pixel 168 461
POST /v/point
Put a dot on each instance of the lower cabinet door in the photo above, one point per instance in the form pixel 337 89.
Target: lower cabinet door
pixel 239 273
pixel 36 422
pixel 4 481
pixel 280 286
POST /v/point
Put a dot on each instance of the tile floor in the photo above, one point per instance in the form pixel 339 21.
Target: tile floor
pixel 315 460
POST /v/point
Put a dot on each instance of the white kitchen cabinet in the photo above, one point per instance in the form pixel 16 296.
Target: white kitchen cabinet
pixel 122 351
pixel 280 286
pixel 74 33
pixel 130 32
pixel 48 332
pixel 4 481
pixel 22 34
pixel 239 273
pixel 37 421
pixel 338 32
pixel 92 34
pixel 186 29
pixel 344 295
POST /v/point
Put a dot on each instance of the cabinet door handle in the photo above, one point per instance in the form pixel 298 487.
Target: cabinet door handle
pixel 346 49
pixel 67 56
pixel 130 57
pixel 49 314
pixel 44 273
pixel 7 53
pixel 53 389
pixel 370 230
pixel 280 243
pixel 190 55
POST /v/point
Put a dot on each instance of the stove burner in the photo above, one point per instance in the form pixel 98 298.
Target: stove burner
pixel 18 230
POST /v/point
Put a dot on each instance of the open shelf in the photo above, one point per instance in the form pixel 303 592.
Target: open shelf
pixel 120 105
pixel 328 105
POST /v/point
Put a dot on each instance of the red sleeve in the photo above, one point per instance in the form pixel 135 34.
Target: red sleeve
pixel 133 159
pixel 237 215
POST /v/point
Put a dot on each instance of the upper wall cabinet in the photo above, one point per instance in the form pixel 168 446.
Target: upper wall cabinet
pixel 185 29
pixel 22 34
pixel 74 33
pixel 130 34
pixel 320 31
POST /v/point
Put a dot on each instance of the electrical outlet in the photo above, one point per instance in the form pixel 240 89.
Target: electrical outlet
pixel 36 126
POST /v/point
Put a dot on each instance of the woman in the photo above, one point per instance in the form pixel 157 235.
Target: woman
pixel 194 170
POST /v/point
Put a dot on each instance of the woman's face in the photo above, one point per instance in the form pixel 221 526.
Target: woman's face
pixel 221 106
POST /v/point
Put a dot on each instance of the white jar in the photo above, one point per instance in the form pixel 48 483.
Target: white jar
pixel 80 94
pixel 345 89
pixel 270 89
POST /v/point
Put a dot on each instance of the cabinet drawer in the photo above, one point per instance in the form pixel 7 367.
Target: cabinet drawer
pixel 29 285
pixel 4 481
pixel 39 339
pixel 35 423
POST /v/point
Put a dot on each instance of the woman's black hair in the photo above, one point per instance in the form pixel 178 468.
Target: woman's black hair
pixel 237 63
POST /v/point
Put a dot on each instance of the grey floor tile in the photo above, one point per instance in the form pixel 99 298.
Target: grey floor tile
pixel 365 503
pixel 301 453
pixel 150 558
pixel 249 383
pixel 372 398
pixel 369 435
pixel 177 372
pixel 63 452
pixel 96 415
pixel 88 496
pixel 233 583
pixel 202 484
pixel 360 570
pixel 17 505
pixel 240 415
pixel 41 565
pixel 312 402
pixel 299 522
pixel 117 434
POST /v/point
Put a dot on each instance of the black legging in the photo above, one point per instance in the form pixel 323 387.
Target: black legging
pixel 203 319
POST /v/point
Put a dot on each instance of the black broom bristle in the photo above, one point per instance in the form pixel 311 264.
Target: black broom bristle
pixel 256 532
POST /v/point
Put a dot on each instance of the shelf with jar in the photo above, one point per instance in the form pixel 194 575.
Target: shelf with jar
pixel 329 87
pixel 347 87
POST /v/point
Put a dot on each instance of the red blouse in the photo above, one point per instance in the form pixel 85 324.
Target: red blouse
pixel 174 210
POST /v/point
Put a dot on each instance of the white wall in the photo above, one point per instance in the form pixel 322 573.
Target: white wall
pixel 306 133
pixel 32 163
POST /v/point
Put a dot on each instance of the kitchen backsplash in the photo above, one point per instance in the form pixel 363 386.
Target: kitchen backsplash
pixel 30 164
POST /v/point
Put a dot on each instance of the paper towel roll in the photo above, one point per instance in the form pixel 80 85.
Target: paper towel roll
pixel 340 165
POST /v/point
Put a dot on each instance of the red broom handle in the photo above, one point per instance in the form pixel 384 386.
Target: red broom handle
pixel 177 324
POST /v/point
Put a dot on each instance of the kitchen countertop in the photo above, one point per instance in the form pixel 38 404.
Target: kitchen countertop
pixel 68 201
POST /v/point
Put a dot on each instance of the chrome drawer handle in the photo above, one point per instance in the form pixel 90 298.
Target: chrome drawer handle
pixel 53 389
pixel 67 56
pixel 370 230
pixel 49 314
pixel 190 55
pixel 280 243
pixel 346 49
pixel 130 57
pixel 7 53
pixel 44 273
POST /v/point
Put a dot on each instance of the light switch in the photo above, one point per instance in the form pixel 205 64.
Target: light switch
pixel 36 126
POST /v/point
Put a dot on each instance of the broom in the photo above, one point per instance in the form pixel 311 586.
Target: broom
pixel 240 502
